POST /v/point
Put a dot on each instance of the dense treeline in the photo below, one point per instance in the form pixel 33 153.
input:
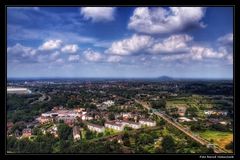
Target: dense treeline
pixel 49 144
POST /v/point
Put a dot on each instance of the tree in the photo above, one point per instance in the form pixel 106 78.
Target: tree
pixel 145 139
pixel 64 131
pixel 229 146
pixel 159 104
pixel 111 116
pixel 168 144
pixel 125 139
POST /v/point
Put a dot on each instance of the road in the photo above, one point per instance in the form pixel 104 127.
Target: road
pixel 42 98
pixel 198 139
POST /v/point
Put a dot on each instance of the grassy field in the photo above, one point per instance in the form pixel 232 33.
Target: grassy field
pixel 219 138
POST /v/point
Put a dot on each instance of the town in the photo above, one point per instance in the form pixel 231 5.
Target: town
pixel 131 116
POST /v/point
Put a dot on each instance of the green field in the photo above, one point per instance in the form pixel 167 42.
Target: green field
pixel 219 138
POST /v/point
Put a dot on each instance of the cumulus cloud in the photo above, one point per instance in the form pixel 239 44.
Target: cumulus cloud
pixel 51 44
pixel 19 52
pixel 59 61
pixel 226 39
pixel 71 48
pixel 172 44
pixel 91 55
pixel 160 20
pixel 130 45
pixel 73 58
pixel 114 59
pixel 230 59
pixel 54 55
pixel 96 14
pixel 199 53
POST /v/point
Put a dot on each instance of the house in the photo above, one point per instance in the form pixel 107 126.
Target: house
pixel 96 128
pixel 181 110
pixel 43 119
pixel 67 120
pixel 27 132
pixel 86 117
pixel 133 125
pixel 127 115
pixel 108 103
pixel 113 125
pixel 76 133
pixel 215 112
pixel 53 130
pixel 147 122
pixel 223 123
pixel 208 112
pixel 184 119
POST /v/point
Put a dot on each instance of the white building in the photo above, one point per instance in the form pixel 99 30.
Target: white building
pixel 12 90
pixel 96 128
pixel 184 119
pixel 86 117
pixel 147 122
pixel 108 103
pixel 76 133
pixel 114 126
pixel 133 125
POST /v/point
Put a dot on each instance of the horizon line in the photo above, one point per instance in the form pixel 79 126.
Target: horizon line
pixel 228 78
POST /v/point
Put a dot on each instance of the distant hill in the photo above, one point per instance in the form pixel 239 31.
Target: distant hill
pixel 165 78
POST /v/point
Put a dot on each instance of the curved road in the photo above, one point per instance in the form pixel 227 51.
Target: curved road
pixel 40 99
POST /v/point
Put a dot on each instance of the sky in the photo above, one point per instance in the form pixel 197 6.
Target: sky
pixel 124 42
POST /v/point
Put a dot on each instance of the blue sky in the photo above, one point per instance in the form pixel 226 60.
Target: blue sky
pixel 190 42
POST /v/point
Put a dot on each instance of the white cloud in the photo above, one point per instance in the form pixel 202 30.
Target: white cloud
pixel 73 58
pixel 59 61
pixel 226 39
pixel 160 20
pixel 20 53
pixel 114 59
pixel 131 45
pixel 54 55
pixel 172 44
pixel 91 55
pixel 230 59
pixel 198 53
pixel 51 44
pixel 182 57
pixel 71 48
pixel 97 14
pixel 20 50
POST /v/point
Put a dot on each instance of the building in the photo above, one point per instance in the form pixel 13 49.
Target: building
pixel 113 125
pixel 76 133
pixel 13 90
pixel 133 125
pixel 181 110
pixel 215 112
pixel 27 132
pixel 43 119
pixel 108 103
pixel 67 120
pixel 127 115
pixel 86 117
pixel 184 119
pixel 95 128
pixel 53 130
pixel 147 122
